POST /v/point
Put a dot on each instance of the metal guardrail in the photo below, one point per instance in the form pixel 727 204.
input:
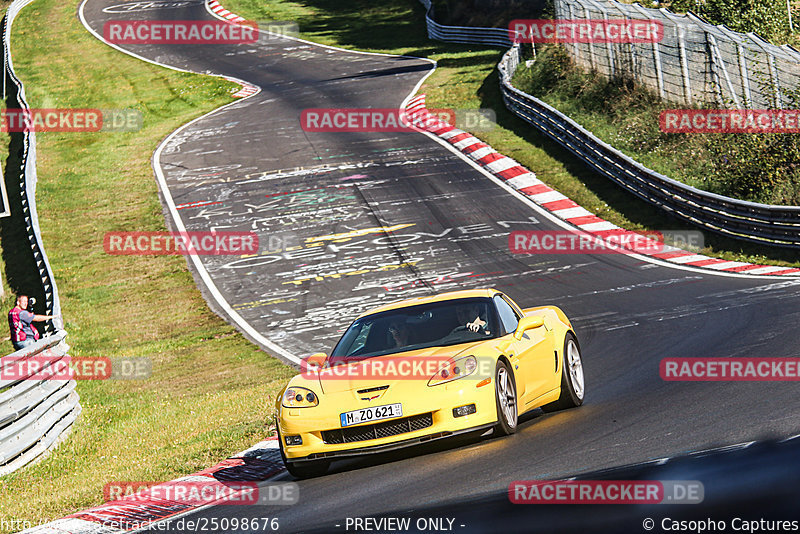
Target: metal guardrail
pixel 27 175
pixel 464 34
pixel 750 221
pixel 35 413
pixel 739 219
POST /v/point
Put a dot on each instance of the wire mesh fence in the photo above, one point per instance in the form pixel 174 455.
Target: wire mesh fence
pixel 696 63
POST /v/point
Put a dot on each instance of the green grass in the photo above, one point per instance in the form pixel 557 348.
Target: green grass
pixel 209 394
pixel 466 78
pixel 210 391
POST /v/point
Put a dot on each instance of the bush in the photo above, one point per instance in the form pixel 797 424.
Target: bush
pixel 768 18
pixel 756 167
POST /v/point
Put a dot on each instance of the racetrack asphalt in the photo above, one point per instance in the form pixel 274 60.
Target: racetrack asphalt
pixel 251 167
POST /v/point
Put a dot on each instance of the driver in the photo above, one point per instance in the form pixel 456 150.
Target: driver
pixel 469 318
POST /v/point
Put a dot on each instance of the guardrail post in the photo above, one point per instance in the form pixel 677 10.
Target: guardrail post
pixel 591 46
pixel 656 56
pixel 773 74
pixel 743 74
pixel 575 50
pixel 721 66
pixel 776 84
pixel 612 65
pixel 715 85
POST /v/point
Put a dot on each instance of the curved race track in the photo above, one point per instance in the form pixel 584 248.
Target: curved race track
pixel 250 167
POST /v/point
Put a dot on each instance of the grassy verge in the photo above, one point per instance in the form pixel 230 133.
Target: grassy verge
pixel 209 393
pixel 466 78
pixel 210 388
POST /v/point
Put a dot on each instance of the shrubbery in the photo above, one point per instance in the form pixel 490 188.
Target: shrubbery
pixel 755 167
pixel 768 18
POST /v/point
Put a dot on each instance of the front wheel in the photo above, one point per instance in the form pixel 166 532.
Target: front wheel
pixel 307 469
pixel 506 399
pixel 573 386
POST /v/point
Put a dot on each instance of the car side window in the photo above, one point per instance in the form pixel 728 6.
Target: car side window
pixel 508 316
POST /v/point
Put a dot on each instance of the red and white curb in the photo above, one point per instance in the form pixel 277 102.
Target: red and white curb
pixel 224 13
pixel 559 205
pixel 259 463
pixel 246 90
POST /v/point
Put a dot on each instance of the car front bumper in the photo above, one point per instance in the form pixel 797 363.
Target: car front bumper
pixel 311 423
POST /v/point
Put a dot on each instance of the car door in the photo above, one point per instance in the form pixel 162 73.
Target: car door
pixel 532 359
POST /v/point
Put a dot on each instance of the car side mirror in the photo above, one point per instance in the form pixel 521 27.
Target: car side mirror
pixel 528 323
pixel 313 363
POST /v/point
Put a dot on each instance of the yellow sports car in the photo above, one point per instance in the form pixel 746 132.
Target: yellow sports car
pixel 424 369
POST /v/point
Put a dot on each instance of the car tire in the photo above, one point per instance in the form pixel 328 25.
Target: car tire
pixel 573 385
pixel 308 468
pixel 305 469
pixel 505 400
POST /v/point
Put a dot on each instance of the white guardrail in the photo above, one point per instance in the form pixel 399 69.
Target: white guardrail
pixel 739 219
pixel 464 34
pixel 35 413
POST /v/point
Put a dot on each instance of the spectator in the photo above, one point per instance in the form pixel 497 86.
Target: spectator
pixel 23 333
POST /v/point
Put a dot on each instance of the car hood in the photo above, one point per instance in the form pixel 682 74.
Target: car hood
pixel 376 372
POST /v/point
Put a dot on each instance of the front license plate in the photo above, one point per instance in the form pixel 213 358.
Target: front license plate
pixel 373 413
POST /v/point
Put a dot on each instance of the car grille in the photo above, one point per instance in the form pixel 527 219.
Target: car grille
pixel 377 430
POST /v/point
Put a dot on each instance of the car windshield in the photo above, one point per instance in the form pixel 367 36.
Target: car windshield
pixel 436 324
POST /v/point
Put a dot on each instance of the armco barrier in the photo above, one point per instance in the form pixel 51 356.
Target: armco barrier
pixel 463 34
pixel 27 176
pixel 34 413
pixel 739 219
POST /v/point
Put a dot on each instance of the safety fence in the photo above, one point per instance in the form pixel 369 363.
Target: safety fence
pixel 749 221
pixel 34 414
pixel 761 223
pixel 695 63
pixel 36 411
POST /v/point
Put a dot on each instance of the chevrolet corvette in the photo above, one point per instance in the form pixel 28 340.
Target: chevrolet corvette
pixel 424 369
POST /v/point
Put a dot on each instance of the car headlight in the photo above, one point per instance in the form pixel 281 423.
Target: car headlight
pixel 453 370
pixel 295 397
